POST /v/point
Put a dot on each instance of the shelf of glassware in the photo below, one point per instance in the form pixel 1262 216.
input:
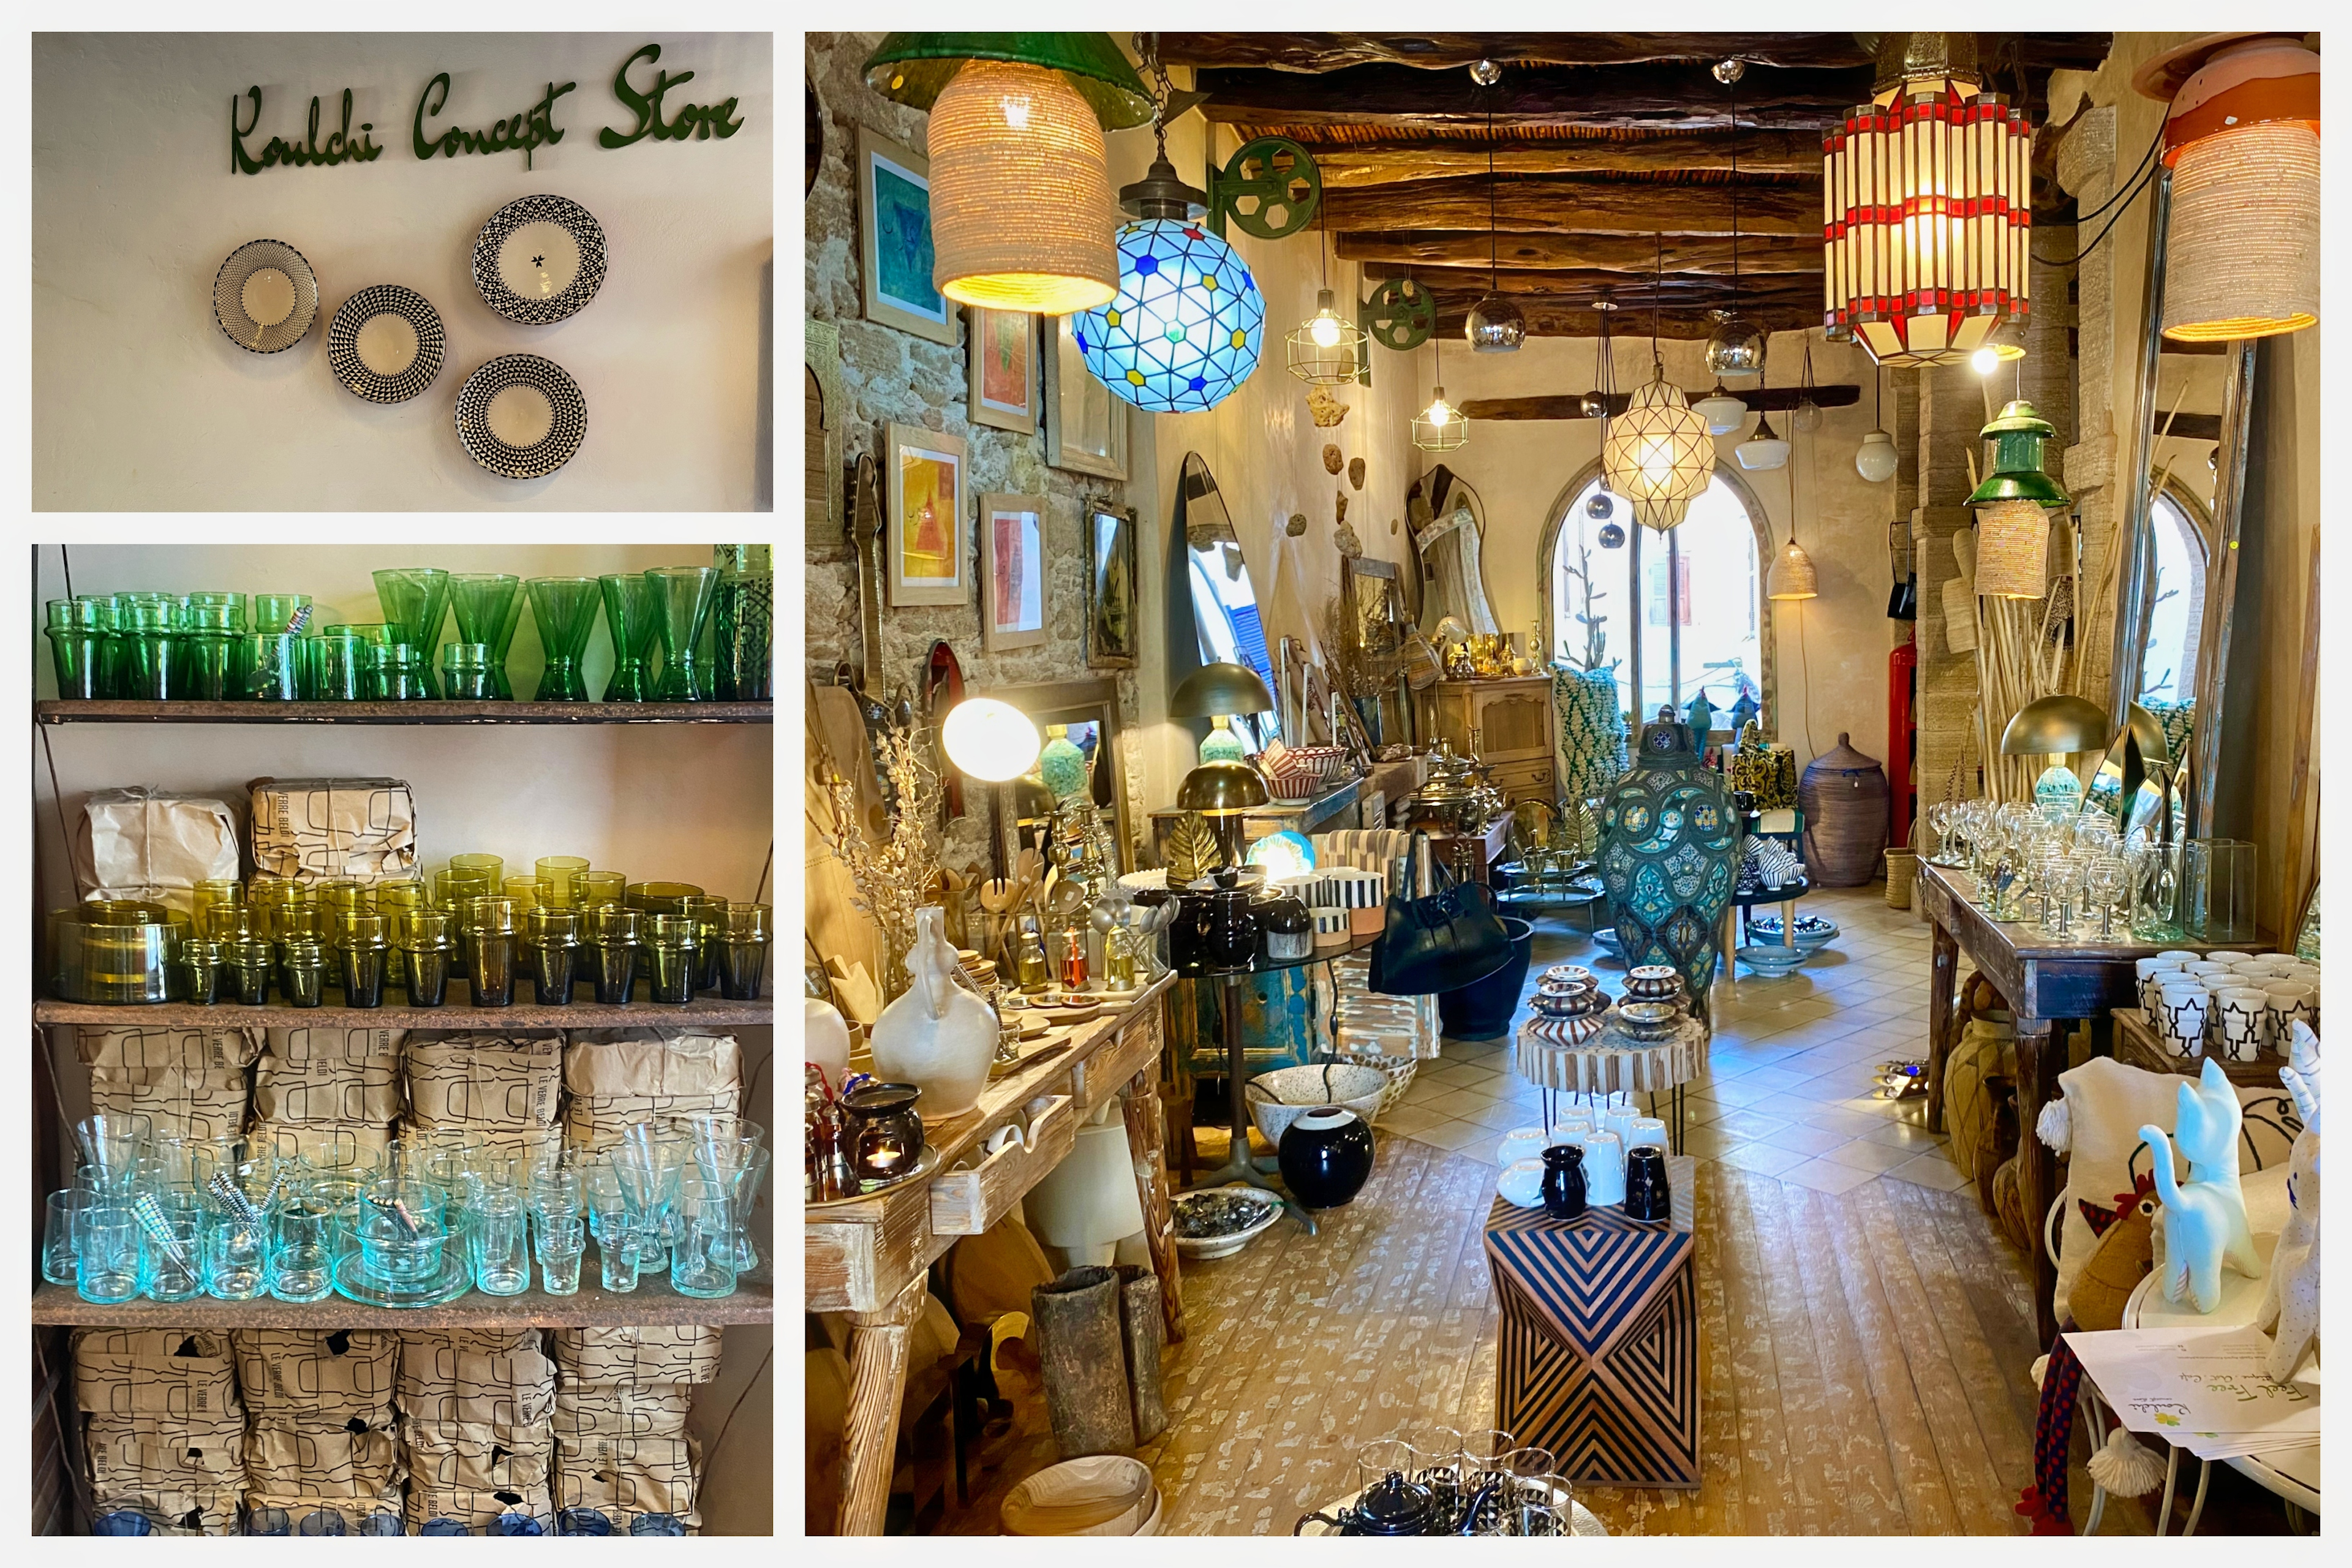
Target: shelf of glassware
pixel 652 1303
pixel 109 711
pixel 705 1010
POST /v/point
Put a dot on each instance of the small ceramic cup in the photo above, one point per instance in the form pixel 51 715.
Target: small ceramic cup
pixel 2181 955
pixel 2240 1022
pixel 2155 974
pixel 1620 1120
pixel 1522 1184
pixel 2286 1004
pixel 1574 1129
pixel 1521 1144
pixel 2207 973
pixel 1605 1170
pixel 1648 1133
pixel 2186 1006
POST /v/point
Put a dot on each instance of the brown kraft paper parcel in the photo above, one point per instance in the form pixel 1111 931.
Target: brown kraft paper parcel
pixel 190 1082
pixel 627 1476
pixel 317 1378
pixel 491 1378
pixel 140 1372
pixel 312 828
pixel 484 1080
pixel 622 1409
pixel 285 1461
pixel 330 1075
pixel 614 1077
pixel 639 1353
pixel 141 843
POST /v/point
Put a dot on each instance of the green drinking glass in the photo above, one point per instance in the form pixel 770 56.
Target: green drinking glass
pixel 276 612
pixel 417 597
pixel 747 618
pixel 564 609
pixel 78 629
pixel 684 594
pixel 488 606
pixel 146 645
pixel 401 676
pixel 465 672
pixel 633 615
pixel 341 662
pixel 269 664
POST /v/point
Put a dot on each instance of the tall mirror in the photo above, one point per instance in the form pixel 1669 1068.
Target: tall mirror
pixel 1224 601
pixel 1450 542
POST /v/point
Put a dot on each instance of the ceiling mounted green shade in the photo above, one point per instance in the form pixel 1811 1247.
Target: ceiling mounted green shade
pixel 1222 789
pixel 2017 474
pixel 1215 689
pixel 912 68
pixel 2055 725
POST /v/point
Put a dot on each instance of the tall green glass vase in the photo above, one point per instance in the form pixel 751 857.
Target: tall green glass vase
pixel 686 595
pixel 417 597
pixel 564 609
pixel 746 616
pixel 489 607
pixel 633 616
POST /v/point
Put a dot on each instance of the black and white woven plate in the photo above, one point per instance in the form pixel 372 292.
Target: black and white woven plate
pixel 522 417
pixel 265 296
pixel 386 344
pixel 540 259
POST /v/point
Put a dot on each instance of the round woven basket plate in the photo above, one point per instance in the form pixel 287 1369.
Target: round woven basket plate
pixel 265 296
pixel 522 417
pixel 384 343
pixel 540 259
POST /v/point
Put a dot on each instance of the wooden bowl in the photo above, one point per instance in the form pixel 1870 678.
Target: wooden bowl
pixel 1105 1494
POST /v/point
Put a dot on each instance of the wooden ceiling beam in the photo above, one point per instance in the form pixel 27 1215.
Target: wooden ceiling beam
pixel 1437 51
pixel 1670 96
pixel 1557 204
pixel 1759 255
pixel 1547 321
pixel 1632 294
pixel 1770 399
pixel 1350 166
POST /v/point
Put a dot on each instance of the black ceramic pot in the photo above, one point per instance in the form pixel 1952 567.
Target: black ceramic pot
pixel 1648 1197
pixel 1563 1180
pixel 1326 1158
pixel 1484 1010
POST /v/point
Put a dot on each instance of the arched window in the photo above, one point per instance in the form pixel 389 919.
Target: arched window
pixel 1675 614
pixel 2168 668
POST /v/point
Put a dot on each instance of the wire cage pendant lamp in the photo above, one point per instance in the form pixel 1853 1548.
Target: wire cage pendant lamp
pixel 1326 349
pixel 1440 427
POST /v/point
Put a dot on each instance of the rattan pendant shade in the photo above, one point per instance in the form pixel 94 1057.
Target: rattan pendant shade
pixel 1794 577
pixel 2012 548
pixel 1658 454
pixel 2242 252
pixel 1021 217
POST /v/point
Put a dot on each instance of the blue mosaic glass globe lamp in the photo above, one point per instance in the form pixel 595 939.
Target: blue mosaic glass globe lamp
pixel 1188 321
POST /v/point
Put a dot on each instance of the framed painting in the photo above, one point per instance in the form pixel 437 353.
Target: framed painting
pixel 1112 633
pixel 926 543
pixel 1085 427
pixel 894 239
pixel 1011 572
pixel 1004 369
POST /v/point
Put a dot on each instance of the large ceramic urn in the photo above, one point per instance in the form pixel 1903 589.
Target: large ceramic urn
pixel 1669 852
pixel 937 1036
pixel 1844 796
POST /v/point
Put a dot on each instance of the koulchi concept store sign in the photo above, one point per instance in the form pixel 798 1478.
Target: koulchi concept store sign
pixel 430 136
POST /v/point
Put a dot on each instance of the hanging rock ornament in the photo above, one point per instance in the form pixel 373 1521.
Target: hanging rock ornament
pixel 1341 534
pixel 1332 461
pixel 1328 410
pixel 1297 526
pixel 1356 472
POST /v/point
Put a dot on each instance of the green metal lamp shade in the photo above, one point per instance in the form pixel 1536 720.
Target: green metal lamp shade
pixel 1222 789
pixel 2056 725
pixel 2017 438
pixel 912 68
pixel 1221 688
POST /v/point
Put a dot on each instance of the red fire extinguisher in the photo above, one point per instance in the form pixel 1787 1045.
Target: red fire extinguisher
pixel 1902 695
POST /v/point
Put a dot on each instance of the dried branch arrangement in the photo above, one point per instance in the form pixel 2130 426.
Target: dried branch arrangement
pixel 893 877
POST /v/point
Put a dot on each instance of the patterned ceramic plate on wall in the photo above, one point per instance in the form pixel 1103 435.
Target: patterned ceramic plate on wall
pixel 540 259
pixel 386 344
pixel 265 296
pixel 522 417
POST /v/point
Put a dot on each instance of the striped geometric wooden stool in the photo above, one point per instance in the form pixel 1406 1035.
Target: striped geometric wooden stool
pixel 1599 1355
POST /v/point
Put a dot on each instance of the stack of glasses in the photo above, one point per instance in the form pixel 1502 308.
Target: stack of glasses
pixel 711 626
pixel 441 1212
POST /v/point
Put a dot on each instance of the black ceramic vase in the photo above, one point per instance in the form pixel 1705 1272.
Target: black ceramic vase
pixel 1647 1195
pixel 1326 1157
pixel 1563 1180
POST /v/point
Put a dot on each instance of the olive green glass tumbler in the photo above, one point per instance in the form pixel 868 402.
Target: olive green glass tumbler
pixel 423 935
pixel 489 606
pixel 633 616
pixel 670 957
pixel 709 917
pixel 564 609
pixel 417 597
pixel 491 950
pixel 77 630
pixel 743 950
pixel 360 946
pixel 550 936
pixel 611 936
pixel 684 594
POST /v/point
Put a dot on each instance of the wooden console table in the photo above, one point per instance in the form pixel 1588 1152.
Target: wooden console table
pixel 2045 980
pixel 2138 1046
pixel 870 1258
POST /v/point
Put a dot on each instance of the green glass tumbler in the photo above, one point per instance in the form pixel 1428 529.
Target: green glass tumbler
pixel 275 612
pixel 302 971
pixel 401 676
pixel 747 619
pixel 77 630
pixel 555 873
pixel 564 608
pixel 611 947
pixel 670 957
pixel 360 946
pixel 550 936
pixel 465 672
pixel 709 917
pixel 417 597
pixel 146 646
pixel 489 923
pixel 422 934
pixel 684 594
pixel 341 662
pixel 633 616
pixel 271 663
pixel 744 951
pixel 488 606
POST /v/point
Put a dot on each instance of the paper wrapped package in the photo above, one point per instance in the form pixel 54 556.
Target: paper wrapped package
pixel 622 1409
pixel 330 1075
pixel 129 1454
pixel 167 1510
pixel 314 1378
pixel 312 828
pixel 178 1375
pixel 483 1081
pixel 614 1077
pixel 297 1511
pixel 475 1458
pixel 626 1480
pixel 489 1378
pixel 323 1462
pixel 683 1352
pixel 141 843
pixel 433 1510
pixel 323 1142
pixel 188 1102
pixel 109 1049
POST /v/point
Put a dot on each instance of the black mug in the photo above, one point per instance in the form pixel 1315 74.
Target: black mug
pixel 1647 1195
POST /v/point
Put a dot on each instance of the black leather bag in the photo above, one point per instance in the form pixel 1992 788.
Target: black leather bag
pixel 1441 940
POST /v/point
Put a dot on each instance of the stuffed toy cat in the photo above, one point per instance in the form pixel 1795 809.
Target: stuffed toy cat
pixel 2291 1300
pixel 2203 1222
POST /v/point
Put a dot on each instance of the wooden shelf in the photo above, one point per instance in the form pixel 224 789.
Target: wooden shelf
pixel 115 713
pixel 580 1015
pixel 652 1302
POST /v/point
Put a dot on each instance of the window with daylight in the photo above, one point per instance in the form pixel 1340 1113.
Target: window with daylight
pixel 1677 613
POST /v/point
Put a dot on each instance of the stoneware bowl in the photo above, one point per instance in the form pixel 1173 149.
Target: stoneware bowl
pixel 1103 1494
pixel 1326 1157
pixel 1772 961
pixel 1247 1200
pixel 1279 1097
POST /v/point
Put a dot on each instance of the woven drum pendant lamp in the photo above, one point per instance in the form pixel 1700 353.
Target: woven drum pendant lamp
pixel 1926 206
pixel 1022 216
pixel 2012 508
pixel 2241 138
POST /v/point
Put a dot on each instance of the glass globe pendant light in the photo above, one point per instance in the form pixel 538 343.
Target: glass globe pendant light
pixel 1495 325
pixel 1876 459
pixel 1734 348
pixel 1764 449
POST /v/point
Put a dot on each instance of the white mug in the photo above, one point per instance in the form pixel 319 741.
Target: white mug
pixel 1620 1120
pixel 1605 1170
pixel 2144 967
pixel 2186 1006
pixel 2180 955
pixel 1521 1182
pixel 1649 1132
pixel 1521 1144
pixel 2286 1004
pixel 2242 1023
pixel 2152 992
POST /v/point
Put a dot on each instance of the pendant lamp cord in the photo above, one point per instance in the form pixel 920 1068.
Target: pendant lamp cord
pixel 1146 47
pixel 1733 88
pixel 1657 294
pixel 1494 267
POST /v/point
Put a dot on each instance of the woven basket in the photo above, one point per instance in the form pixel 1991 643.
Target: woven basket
pixel 1902 866
pixel 1843 797
pixel 2244 237
pixel 2012 551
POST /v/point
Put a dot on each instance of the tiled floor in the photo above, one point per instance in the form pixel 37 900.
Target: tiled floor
pixel 1792 1071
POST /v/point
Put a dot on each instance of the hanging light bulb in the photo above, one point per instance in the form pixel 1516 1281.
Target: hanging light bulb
pixel 1876 459
pixel 1764 449
pixel 1808 417
pixel 1326 349
pixel 1722 411
pixel 1657 454
pixel 1440 427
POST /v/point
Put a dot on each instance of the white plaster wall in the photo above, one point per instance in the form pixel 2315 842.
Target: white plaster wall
pixel 139 401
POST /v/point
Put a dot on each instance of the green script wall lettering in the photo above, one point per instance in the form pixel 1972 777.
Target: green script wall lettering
pixel 341 147
pixel 701 121
pixel 534 128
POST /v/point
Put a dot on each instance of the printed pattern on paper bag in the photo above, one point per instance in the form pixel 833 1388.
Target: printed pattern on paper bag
pixel 127 1454
pixel 182 1375
pixel 622 1409
pixel 624 1479
pixel 313 1377
pixel 329 1143
pixel 113 1049
pixel 186 1102
pixel 474 1458
pixel 683 1352
pixel 312 828
pixel 298 1513
pixel 169 1511
pixel 484 1080
pixel 529 1512
pixel 322 1462
pixel 614 1077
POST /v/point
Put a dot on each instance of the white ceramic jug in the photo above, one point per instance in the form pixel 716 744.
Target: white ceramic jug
pixel 938 1036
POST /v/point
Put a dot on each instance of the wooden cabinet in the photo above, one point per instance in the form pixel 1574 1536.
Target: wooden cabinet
pixel 1505 724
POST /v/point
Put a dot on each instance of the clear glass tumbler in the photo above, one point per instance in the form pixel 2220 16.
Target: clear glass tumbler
pixel 307 1249
pixel 57 1244
pixel 236 1253
pixel 497 1242
pixel 561 1241
pixel 106 1261
pixel 173 1272
pixel 702 1263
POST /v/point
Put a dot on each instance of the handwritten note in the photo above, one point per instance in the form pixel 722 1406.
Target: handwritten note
pixel 2203 1389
